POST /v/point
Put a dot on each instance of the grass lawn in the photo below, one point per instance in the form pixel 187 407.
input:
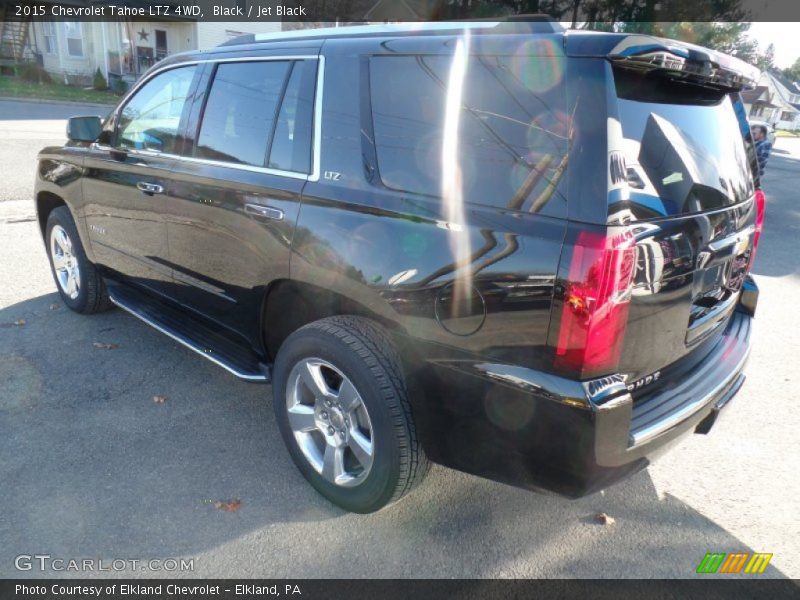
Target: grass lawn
pixel 16 88
pixel 784 133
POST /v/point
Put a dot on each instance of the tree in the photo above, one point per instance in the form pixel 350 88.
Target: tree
pixel 793 73
pixel 99 82
pixel 766 61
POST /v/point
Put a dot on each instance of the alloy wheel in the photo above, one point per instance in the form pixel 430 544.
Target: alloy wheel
pixel 65 262
pixel 330 422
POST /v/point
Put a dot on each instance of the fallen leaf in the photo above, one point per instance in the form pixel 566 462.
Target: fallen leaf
pixel 604 519
pixel 229 506
pixel 20 322
pixel 104 346
pixel 159 399
pixel 55 306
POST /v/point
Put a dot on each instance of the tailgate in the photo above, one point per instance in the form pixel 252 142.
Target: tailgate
pixel 680 177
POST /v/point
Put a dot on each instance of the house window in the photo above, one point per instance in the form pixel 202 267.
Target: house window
pixel 50 41
pixel 787 116
pixel 74 33
pixel 161 44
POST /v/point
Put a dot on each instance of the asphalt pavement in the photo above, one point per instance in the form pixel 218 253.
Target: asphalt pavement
pixel 92 467
pixel 27 127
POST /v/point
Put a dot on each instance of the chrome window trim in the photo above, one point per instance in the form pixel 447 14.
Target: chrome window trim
pixel 316 156
pixel 389 28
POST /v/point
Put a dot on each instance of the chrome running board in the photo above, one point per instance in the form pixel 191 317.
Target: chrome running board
pixel 192 333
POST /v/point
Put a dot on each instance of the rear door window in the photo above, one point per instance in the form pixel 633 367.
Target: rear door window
pixel 512 137
pixel 291 142
pixel 240 112
pixel 260 114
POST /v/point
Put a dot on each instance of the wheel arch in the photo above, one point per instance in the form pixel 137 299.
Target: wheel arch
pixel 45 203
pixel 290 304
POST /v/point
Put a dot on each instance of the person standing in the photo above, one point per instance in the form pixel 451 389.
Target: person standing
pixel 763 147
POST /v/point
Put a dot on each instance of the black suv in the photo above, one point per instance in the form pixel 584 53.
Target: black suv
pixel 514 251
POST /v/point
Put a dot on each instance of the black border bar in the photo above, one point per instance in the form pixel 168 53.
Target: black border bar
pixel 709 587
pixel 357 11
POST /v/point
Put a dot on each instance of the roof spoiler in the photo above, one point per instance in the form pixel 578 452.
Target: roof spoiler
pixel 683 61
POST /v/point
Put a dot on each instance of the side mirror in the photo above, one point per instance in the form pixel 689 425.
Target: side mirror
pixel 83 129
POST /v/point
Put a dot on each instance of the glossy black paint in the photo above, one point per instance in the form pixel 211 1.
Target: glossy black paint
pixel 128 231
pixel 473 302
pixel 223 255
pixel 224 258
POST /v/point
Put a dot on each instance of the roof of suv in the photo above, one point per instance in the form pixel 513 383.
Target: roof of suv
pixel 643 49
pixel 314 38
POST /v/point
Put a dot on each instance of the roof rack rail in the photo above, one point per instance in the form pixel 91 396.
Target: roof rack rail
pixel 515 23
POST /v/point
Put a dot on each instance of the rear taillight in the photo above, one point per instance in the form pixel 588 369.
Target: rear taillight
pixel 761 205
pixel 596 299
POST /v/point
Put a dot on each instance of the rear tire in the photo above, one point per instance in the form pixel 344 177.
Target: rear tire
pixel 79 283
pixel 342 407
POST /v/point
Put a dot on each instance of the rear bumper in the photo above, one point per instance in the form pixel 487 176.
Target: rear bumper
pixel 631 431
pixel 539 431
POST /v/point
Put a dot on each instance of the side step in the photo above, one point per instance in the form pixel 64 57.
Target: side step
pixel 190 331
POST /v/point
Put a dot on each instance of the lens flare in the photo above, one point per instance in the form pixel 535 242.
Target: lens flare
pixel 452 178
pixel 538 65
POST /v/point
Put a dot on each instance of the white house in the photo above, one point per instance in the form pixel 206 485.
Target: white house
pixel 72 51
pixel 758 102
pixel 774 103
pixel 787 115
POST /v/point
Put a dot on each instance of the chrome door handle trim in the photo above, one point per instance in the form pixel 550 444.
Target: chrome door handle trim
pixel 268 212
pixel 150 188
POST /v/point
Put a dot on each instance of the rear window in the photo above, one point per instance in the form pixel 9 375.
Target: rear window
pixel 684 148
pixel 512 131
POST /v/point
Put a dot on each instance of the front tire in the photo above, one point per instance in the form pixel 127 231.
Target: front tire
pixel 80 285
pixel 342 407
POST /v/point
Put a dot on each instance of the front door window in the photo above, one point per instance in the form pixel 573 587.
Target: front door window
pixel 150 120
